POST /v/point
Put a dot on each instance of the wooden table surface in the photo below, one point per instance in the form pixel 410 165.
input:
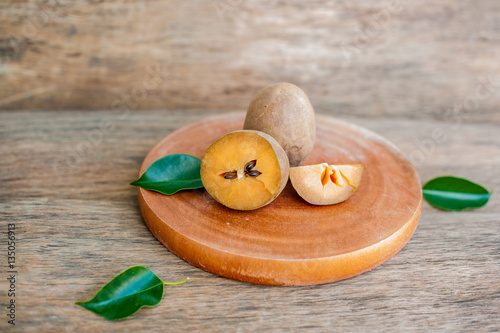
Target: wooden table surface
pixel 64 183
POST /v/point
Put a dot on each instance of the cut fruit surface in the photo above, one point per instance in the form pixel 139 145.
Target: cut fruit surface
pixel 244 170
pixel 323 184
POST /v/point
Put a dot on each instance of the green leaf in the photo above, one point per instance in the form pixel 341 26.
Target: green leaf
pixel 127 293
pixel 452 193
pixel 171 174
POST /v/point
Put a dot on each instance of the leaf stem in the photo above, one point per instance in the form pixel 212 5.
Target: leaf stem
pixel 174 283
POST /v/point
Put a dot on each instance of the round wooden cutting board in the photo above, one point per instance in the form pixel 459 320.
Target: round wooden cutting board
pixel 290 242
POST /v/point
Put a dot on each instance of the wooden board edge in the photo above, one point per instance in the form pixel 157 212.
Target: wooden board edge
pixel 284 272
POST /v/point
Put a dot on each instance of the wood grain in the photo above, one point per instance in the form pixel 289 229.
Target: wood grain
pixel 79 225
pixel 290 242
pixel 367 58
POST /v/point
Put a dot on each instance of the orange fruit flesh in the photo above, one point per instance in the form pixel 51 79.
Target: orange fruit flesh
pixel 323 184
pixel 229 156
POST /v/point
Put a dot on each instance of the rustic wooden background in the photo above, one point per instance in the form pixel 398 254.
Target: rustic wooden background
pixel 426 75
pixel 398 58
pixel 78 225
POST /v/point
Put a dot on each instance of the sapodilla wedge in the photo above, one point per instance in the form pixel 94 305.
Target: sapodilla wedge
pixel 245 170
pixel 323 184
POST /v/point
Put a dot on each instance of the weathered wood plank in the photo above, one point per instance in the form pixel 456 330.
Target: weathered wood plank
pixel 445 279
pixel 63 146
pixel 417 59
pixel 79 228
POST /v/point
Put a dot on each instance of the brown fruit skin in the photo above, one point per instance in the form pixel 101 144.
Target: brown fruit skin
pixel 284 111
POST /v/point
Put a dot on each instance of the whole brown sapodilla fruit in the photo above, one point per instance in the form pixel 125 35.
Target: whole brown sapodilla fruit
pixel 284 112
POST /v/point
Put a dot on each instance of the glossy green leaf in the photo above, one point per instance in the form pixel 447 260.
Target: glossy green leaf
pixel 171 174
pixel 452 193
pixel 127 293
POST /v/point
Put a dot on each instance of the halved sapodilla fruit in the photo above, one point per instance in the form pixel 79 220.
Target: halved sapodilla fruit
pixel 323 184
pixel 244 170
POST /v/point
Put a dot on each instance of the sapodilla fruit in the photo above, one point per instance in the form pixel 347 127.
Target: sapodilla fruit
pixel 245 170
pixel 284 112
pixel 323 184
